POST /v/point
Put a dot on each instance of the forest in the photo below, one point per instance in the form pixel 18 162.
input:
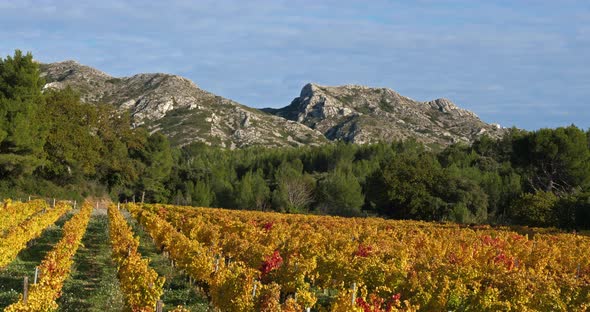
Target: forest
pixel 53 144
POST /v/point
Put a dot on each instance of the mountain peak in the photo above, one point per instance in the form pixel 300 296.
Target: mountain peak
pixel 71 70
pixel 362 114
pixel 347 89
pixel 309 89
pixel 68 62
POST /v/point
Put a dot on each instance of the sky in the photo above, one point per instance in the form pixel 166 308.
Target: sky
pixel 520 63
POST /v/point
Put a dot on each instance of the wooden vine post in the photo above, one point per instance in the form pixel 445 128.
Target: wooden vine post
pixel 254 289
pixel 353 297
pixel 26 290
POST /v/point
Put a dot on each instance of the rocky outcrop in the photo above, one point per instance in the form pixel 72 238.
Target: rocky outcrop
pixel 361 115
pixel 180 109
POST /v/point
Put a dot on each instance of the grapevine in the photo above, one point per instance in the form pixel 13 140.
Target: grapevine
pixel 139 283
pixel 13 213
pixel 425 266
pixel 230 286
pixel 55 268
pixel 18 237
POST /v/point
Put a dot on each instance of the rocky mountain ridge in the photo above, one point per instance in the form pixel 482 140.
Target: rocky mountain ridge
pixel 362 114
pixel 180 109
pixel 351 113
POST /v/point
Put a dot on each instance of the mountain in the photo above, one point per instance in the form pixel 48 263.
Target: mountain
pixel 180 109
pixel 351 113
pixel 361 114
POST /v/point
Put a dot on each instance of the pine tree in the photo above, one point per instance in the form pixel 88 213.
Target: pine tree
pixel 157 157
pixel 202 195
pixel 252 192
pixel 22 133
pixel 555 160
pixel 340 194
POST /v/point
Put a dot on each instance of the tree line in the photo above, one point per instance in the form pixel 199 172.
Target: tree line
pixel 52 143
pixel 539 178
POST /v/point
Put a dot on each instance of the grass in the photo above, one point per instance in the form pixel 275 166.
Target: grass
pixel 177 290
pixel 93 283
pixel 11 277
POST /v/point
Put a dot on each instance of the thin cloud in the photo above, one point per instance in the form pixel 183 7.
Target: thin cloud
pixel 480 54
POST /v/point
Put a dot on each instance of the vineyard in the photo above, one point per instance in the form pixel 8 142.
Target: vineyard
pixel 259 261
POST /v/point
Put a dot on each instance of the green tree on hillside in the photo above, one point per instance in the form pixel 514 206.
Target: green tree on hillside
pixel 535 209
pixel 73 150
pixel 252 192
pixel 22 132
pixel 123 151
pixel 555 160
pixel 158 161
pixel 411 183
pixel 339 193
pixel 201 194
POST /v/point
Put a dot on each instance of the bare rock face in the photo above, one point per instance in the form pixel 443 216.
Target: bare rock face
pixel 361 115
pixel 180 109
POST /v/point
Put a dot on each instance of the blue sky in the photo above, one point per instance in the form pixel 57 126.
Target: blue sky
pixel 519 62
